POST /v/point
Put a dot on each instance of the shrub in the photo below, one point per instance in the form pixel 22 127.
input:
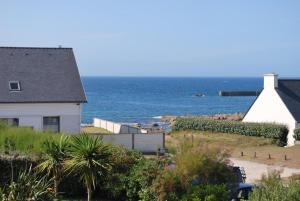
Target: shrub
pixel 168 186
pixel 273 188
pixel 297 134
pixel 114 187
pixel 12 166
pixel 266 130
pixel 140 179
pixel 207 193
pixel 195 167
pixel 28 186
pixel 206 164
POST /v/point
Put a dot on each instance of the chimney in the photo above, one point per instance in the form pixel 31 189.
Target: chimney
pixel 270 81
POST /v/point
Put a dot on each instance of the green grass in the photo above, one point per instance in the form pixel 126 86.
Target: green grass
pixel 94 130
pixel 24 140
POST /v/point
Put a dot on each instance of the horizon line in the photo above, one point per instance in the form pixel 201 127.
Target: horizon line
pixel 163 76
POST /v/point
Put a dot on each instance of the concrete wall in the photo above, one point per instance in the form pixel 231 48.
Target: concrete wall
pixel 269 108
pixel 116 128
pixel 31 114
pixel 146 143
pixel 149 142
pixel 125 140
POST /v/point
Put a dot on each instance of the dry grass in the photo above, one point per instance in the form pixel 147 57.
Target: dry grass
pixel 94 130
pixel 236 144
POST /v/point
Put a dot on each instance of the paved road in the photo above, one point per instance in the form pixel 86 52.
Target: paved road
pixel 255 170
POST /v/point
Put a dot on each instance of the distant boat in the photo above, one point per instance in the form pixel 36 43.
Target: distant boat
pixel 200 94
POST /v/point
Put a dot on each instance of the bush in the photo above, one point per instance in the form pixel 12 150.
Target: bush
pixel 273 131
pixel 207 193
pixel 114 187
pixel 273 188
pixel 28 186
pixel 12 166
pixel 140 179
pixel 297 134
pixel 196 175
pixel 205 164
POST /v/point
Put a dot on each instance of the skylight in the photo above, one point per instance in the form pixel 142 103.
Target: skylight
pixel 14 86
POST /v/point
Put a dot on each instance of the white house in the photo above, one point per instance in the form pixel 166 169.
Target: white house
pixel 40 88
pixel 279 102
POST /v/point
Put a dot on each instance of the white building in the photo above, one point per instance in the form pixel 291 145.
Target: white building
pixel 279 102
pixel 40 88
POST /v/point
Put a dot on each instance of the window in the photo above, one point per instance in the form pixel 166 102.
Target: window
pixel 14 86
pixel 10 121
pixel 51 124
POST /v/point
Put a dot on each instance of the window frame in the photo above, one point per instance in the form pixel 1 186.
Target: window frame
pixel 14 82
pixel 58 124
pixel 15 122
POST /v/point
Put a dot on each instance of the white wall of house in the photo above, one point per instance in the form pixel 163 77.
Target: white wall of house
pixel 31 114
pixel 269 108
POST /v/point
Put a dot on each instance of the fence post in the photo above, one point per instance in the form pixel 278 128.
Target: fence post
pixel 164 140
pixel 132 141
pixel 192 140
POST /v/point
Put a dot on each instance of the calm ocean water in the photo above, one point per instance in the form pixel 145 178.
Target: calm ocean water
pixel 140 99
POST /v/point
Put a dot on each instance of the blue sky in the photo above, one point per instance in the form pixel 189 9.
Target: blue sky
pixel 162 37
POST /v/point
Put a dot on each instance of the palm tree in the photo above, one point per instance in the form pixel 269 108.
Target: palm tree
pixel 90 159
pixel 54 155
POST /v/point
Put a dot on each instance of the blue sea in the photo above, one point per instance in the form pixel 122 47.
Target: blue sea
pixel 144 99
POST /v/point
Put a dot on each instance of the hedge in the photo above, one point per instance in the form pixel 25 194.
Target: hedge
pixel 266 130
pixel 297 134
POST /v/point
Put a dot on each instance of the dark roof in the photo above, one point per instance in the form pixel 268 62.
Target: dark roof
pixel 46 75
pixel 289 91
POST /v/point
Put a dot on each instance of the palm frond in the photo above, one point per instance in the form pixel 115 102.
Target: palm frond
pixel 89 158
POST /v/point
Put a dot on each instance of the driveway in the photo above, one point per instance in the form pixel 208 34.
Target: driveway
pixel 254 170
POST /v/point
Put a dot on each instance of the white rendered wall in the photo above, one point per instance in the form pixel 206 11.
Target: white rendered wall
pixel 117 128
pixel 269 108
pixel 31 114
pixel 146 143
pixel 149 142
pixel 124 140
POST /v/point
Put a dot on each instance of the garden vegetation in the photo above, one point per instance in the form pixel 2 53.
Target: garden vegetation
pixel 273 188
pixel 297 134
pixel 65 165
pixel 70 167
